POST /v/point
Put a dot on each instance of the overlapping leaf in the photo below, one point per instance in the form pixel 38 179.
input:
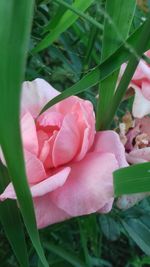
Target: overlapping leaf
pixel 15 20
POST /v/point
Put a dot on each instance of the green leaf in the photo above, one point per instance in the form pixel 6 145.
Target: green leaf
pixel 117 11
pixel 109 227
pixel 139 232
pixel 63 24
pixel 15 21
pixel 133 179
pixel 102 71
pixel 10 219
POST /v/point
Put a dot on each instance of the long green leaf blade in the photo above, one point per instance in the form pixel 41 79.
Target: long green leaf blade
pixel 117 11
pixel 14 37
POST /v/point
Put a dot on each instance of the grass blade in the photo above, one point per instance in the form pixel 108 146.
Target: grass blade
pixel 15 28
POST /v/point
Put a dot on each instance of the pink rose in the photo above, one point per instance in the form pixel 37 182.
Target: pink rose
pixel 137 147
pixel 141 84
pixel 138 142
pixel 69 166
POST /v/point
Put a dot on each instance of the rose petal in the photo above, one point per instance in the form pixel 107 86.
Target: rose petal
pixel 107 207
pixel 47 212
pixel 2 156
pixel 86 125
pixel 43 188
pixel 142 153
pixel 142 73
pixel 146 89
pixel 29 136
pixel 51 183
pixel 141 84
pixel 89 186
pixel 141 106
pixel 42 137
pixel 145 125
pixel 50 119
pixel 34 168
pixel 9 193
pixel 85 146
pixel 67 141
pixel 133 159
pixel 48 145
pixel 65 106
pixel 35 96
pixel 131 135
pixel 83 110
pixel 109 142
